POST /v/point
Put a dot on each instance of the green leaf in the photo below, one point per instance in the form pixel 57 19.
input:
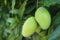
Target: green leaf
pixel 49 2
pixel 11 37
pixel 29 9
pixel 22 9
pixel 10 20
pixel 56 34
pixel 55 22
pixel 13 5
pixel 13 34
pixel 5 1
pixel 56 19
pixel 15 11
pixel 1 29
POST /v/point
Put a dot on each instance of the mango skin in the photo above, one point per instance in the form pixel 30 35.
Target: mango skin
pixel 43 18
pixel 29 27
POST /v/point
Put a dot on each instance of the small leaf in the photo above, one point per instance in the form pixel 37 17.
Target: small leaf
pixel 22 9
pixel 13 5
pixel 49 2
pixel 56 34
pixel 56 19
pixel 29 9
pixel 5 1
pixel 10 20
pixel 15 11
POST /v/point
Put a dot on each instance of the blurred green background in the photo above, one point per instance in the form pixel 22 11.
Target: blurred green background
pixel 13 13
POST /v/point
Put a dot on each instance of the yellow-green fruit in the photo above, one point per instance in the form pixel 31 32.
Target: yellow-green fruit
pixel 29 27
pixel 43 18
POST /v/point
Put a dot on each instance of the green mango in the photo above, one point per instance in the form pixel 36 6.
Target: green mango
pixel 29 27
pixel 43 18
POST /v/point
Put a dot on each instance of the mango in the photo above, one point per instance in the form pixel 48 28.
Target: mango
pixel 43 18
pixel 29 27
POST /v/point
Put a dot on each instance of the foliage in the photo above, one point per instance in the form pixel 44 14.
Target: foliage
pixel 13 14
pixel 56 34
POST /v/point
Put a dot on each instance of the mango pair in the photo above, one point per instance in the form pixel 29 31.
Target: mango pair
pixel 42 17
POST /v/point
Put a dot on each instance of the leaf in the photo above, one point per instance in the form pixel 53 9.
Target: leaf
pixel 55 22
pixel 49 2
pixel 13 5
pixel 15 11
pixel 11 37
pixel 29 9
pixel 10 20
pixel 1 29
pixel 22 9
pixel 5 1
pixel 56 34
pixel 13 34
pixel 56 19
